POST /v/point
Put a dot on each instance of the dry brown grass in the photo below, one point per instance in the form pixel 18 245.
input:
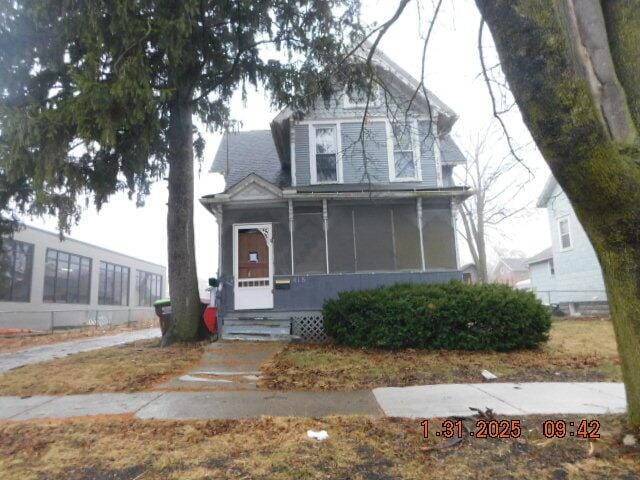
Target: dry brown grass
pixel 12 343
pixel 578 350
pixel 277 448
pixel 125 368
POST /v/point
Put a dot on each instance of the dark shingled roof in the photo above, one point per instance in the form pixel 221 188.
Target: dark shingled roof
pixel 450 153
pixel 542 256
pixel 516 264
pixel 243 153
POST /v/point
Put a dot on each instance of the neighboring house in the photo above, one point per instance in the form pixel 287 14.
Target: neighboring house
pixel 510 271
pixel 307 213
pixel 568 273
pixel 469 273
pixel 46 281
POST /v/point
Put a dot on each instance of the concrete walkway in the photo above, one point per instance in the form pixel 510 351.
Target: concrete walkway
pixel 415 402
pixel 227 365
pixel 45 353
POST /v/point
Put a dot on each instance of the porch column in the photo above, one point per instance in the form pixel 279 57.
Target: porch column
pixel 419 210
pixel 325 221
pixel 291 233
pixel 218 216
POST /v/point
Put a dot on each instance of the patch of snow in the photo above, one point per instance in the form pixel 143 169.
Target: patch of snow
pixel 318 435
pixel 487 375
pixel 191 378
pixel 629 440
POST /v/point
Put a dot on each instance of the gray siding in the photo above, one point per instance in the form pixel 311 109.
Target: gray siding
pixel 310 292
pixel 377 168
pixel 427 156
pixel 578 273
pixel 542 282
pixel 303 175
pixel 375 152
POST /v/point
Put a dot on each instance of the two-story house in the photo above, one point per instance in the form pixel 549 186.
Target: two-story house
pixel 568 273
pixel 326 203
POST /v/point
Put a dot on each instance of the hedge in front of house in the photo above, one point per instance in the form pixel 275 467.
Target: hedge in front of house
pixel 451 316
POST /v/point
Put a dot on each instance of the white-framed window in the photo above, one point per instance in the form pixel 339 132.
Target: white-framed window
pixel 403 151
pixel 552 267
pixel 565 233
pixel 326 161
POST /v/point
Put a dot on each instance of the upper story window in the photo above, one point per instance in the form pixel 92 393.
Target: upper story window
pixel 149 288
pixel 403 151
pixel 16 266
pixel 325 159
pixel 114 284
pixel 565 233
pixel 552 268
pixel 67 278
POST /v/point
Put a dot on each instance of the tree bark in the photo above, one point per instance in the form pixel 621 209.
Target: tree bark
pixel 183 278
pixel 598 168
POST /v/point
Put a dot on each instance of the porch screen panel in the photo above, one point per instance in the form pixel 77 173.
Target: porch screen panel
pixel 407 237
pixel 439 238
pixel 341 240
pixel 308 240
pixel 374 238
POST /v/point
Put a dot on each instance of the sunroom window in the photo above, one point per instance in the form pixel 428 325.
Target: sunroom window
pixel 326 150
pixel 404 155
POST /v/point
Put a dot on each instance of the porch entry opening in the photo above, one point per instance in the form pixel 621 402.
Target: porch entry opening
pixel 253 266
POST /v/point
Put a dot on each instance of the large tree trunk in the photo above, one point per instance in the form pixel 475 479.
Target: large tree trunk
pixel 183 279
pixel 556 57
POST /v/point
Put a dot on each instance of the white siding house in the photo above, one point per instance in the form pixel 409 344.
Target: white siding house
pixel 46 282
pixel 568 273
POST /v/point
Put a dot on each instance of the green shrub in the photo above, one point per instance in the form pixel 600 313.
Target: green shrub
pixel 452 316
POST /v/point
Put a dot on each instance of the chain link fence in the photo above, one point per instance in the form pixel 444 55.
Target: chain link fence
pixel 43 320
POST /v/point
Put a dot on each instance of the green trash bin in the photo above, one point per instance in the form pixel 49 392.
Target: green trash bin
pixel 163 311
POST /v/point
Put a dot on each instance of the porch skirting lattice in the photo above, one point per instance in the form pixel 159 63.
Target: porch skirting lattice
pixel 309 327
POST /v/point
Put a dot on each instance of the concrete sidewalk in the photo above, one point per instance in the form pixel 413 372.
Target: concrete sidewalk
pixel 44 353
pixel 415 402
pixel 503 398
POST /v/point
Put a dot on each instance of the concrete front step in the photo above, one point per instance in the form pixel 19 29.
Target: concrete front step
pixel 269 322
pixel 252 337
pixel 257 328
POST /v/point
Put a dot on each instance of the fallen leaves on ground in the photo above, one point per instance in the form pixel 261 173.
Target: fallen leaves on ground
pixel 278 448
pixel 578 350
pixel 124 368
pixel 12 343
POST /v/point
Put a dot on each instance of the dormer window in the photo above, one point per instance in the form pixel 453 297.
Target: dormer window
pixel 325 159
pixel 403 151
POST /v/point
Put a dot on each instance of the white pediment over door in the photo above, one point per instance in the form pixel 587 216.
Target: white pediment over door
pixel 254 188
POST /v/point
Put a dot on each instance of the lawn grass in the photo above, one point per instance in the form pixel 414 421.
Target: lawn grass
pixel 578 350
pixel 278 448
pixel 124 368
pixel 12 343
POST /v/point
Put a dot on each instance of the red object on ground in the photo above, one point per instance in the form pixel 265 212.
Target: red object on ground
pixel 14 331
pixel 211 318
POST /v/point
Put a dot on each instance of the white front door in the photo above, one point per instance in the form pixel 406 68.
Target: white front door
pixel 253 266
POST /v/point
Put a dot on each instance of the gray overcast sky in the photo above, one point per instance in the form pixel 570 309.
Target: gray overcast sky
pixel 452 74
